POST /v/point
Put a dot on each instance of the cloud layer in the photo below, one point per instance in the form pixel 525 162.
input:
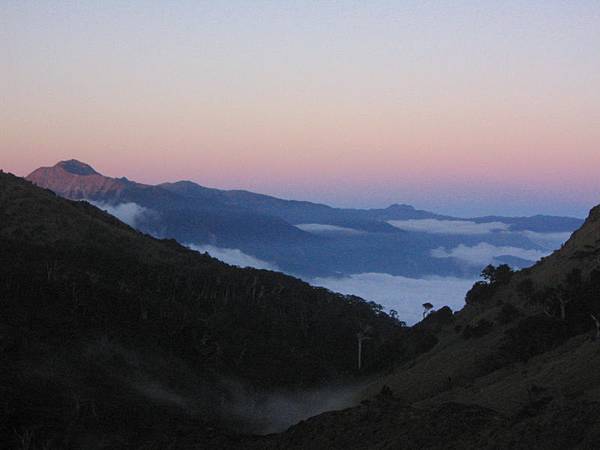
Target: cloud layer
pixel 233 256
pixel 130 213
pixel 484 253
pixel 405 295
pixel 549 241
pixel 436 226
pixel 320 228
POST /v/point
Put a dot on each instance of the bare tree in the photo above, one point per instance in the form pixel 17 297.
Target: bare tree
pixel 568 291
pixel 597 322
pixel 562 301
pixel 361 336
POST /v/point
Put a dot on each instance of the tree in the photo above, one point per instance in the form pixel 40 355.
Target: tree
pixel 478 293
pixel 597 323
pixel 568 291
pixel 488 273
pixel 427 307
pixel 394 315
pixel 361 336
pixel 497 275
pixel 544 298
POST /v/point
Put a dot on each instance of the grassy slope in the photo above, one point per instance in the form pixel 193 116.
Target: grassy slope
pixel 529 382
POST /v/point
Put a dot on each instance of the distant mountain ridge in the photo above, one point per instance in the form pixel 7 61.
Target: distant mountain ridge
pixel 396 240
pixel 77 180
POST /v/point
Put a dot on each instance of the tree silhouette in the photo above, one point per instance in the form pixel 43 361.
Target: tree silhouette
pixel 597 323
pixel 362 335
pixel 497 275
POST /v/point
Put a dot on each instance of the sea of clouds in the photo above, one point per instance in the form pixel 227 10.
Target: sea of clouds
pixel 403 294
pixel 483 253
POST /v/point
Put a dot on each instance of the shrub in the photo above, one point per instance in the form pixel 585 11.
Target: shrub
pixel 508 313
pixel 532 336
pixel 480 292
pixel 480 329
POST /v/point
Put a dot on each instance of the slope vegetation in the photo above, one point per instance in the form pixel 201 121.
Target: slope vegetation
pixel 112 337
pixel 518 367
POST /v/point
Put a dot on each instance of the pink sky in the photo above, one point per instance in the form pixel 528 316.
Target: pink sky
pixel 450 106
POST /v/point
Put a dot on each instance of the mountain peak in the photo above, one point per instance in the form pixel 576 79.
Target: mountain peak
pixel 76 167
pixel 76 180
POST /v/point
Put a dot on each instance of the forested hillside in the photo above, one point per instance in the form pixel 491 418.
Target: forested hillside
pixel 104 327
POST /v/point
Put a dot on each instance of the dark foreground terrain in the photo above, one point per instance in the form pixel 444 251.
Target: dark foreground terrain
pixel 113 339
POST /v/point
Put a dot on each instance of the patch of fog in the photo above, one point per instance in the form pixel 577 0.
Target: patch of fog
pixel 320 228
pixel 549 241
pixel 129 213
pixel 484 253
pixel 236 403
pixel 436 226
pixel 161 394
pixel 405 295
pixel 275 411
pixel 233 256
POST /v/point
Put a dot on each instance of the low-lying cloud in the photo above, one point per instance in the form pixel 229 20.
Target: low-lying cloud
pixel 436 226
pixel 321 228
pixel 405 295
pixel 484 253
pixel 129 213
pixel 233 256
pixel 549 241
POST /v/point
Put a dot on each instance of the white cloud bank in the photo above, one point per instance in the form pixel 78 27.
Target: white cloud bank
pixel 436 226
pixel 130 213
pixel 484 253
pixel 405 295
pixel 233 256
pixel 321 228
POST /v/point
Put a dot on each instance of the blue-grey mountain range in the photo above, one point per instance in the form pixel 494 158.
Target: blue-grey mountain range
pixel 310 239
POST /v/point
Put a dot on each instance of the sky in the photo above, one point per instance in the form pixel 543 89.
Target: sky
pixel 461 107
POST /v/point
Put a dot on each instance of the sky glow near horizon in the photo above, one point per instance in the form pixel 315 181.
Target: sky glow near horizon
pixel 460 107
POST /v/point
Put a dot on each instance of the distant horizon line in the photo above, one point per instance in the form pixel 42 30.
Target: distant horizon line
pixel 452 214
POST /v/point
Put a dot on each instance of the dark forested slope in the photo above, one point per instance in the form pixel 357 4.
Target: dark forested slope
pixel 107 334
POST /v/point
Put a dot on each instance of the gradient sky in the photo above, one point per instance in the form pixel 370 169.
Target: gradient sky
pixel 458 106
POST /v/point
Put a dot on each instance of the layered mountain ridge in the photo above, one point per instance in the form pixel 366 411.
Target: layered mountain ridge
pixel 309 239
